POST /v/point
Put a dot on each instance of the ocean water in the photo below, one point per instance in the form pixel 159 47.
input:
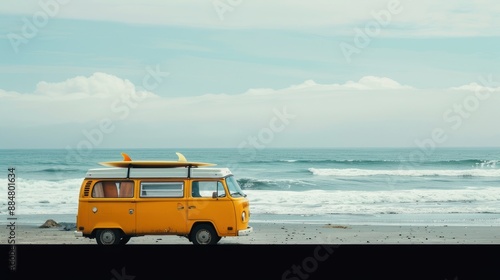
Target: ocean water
pixel 452 186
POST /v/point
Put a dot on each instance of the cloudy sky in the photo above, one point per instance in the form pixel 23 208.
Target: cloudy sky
pixel 240 73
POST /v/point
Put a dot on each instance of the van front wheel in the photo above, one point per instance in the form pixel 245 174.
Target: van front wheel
pixel 204 234
pixel 108 237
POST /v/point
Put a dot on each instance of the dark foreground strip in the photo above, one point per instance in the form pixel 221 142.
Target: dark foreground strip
pixel 293 262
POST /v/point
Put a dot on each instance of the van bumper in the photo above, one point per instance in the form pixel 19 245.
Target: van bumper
pixel 246 231
pixel 78 233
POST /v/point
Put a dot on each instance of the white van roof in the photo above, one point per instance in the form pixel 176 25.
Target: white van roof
pixel 177 172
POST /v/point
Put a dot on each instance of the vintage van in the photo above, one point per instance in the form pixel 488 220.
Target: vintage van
pixel 202 204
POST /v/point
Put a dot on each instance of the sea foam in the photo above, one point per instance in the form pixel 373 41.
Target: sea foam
pixel 319 202
pixel 42 197
pixel 354 172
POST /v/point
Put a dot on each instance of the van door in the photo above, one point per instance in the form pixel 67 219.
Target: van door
pixel 161 208
pixel 218 209
pixel 113 206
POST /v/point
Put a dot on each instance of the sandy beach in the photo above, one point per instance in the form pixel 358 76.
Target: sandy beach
pixel 291 233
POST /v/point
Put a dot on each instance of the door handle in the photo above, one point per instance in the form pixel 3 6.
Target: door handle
pixel 180 207
pixel 191 207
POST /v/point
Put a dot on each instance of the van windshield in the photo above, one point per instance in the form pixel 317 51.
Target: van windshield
pixel 234 187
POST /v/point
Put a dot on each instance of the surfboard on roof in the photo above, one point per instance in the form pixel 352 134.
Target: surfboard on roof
pixel 181 162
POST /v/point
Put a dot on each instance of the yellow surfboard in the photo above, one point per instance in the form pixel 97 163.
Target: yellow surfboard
pixel 128 162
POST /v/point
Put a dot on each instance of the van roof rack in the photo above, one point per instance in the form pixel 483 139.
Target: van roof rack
pixel 129 173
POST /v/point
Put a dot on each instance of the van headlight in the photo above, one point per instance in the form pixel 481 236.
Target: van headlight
pixel 243 216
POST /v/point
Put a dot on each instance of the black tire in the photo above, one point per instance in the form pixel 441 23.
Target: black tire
pixel 108 237
pixel 204 234
pixel 124 239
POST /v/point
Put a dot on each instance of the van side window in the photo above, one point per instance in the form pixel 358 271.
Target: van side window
pixel 207 188
pixel 162 189
pixel 110 189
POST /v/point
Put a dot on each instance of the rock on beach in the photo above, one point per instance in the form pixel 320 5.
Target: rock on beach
pixel 50 224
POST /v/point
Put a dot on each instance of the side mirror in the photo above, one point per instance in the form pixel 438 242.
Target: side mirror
pixel 214 195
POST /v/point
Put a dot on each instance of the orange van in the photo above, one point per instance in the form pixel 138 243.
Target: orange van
pixel 202 204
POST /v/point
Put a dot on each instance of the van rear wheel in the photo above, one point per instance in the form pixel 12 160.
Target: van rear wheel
pixel 204 234
pixel 108 237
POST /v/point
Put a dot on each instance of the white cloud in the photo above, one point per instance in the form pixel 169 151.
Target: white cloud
pixel 365 83
pixel 76 100
pixel 476 87
pixel 100 85
pixel 335 114
pixel 371 82
pixel 8 94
